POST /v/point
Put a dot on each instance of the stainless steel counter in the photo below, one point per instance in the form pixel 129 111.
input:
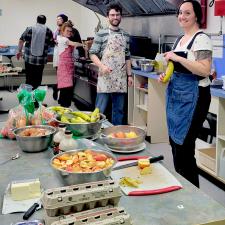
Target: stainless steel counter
pixel 186 206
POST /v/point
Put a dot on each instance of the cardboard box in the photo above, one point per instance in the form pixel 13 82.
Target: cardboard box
pixel 207 158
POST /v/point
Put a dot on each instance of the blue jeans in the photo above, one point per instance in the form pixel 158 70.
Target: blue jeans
pixel 118 100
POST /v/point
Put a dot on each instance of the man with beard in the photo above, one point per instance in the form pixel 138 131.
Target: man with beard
pixel 110 52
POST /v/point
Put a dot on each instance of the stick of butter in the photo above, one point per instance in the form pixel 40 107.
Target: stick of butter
pixel 26 189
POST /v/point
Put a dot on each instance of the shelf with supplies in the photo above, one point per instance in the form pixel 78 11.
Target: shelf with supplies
pixel 211 159
pixel 146 105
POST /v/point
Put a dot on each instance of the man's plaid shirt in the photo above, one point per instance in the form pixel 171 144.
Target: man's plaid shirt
pixel 28 57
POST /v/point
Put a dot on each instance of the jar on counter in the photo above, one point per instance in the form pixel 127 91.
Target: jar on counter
pixel 67 143
pixel 58 137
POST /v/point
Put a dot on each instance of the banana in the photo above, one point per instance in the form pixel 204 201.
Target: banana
pixel 84 116
pixel 64 119
pixel 169 71
pixel 95 115
pixel 78 120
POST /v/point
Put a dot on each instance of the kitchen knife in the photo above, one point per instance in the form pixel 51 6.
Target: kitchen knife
pixel 31 210
pixel 151 160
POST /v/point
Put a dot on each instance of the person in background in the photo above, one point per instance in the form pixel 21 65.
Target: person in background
pixel 110 52
pixel 37 39
pixel 61 18
pixel 75 37
pixel 65 69
pixel 188 92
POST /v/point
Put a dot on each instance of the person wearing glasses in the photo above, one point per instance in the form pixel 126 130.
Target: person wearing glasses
pixel 110 52
pixel 188 92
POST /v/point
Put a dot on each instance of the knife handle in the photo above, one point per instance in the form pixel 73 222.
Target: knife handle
pixel 30 211
pixel 156 159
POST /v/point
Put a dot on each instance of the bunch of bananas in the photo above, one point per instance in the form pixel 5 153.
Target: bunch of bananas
pixel 81 117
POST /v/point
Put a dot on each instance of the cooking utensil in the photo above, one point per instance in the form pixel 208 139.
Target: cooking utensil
pixel 16 156
pixel 123 143
pixel 35 144
pixel 31 210
pixel 151 160
pixel 71 178
pixel 85 130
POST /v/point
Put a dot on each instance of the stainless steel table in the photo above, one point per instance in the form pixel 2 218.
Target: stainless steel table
pixel 186 206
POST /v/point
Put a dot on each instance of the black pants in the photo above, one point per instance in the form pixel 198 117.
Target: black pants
pixel 34 74
pixel 183 155
pixel 66 96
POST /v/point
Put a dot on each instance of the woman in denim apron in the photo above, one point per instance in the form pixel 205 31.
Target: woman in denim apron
pixel 188 93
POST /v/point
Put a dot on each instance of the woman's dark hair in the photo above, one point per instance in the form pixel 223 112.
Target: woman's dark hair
pixel 41 19
pixel 197 9
pixel 114 6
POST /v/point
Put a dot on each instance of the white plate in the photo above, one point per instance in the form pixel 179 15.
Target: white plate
pixel 141 147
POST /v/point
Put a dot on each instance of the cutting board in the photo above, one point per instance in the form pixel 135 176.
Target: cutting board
pixel 159 181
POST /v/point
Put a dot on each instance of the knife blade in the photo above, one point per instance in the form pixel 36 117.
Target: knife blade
pixel 151 160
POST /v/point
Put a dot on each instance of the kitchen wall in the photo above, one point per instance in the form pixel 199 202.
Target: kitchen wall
pixel 153 26
pixel 18 14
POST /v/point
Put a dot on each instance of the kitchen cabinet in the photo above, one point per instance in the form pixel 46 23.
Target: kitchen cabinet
pixel 209 157
pixel 147 99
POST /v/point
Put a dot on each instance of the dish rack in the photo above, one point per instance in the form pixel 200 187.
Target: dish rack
pixel 91 200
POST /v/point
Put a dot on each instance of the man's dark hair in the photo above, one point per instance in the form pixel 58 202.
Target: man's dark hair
pixel 115 6
pixel 197 9
pixel 41 19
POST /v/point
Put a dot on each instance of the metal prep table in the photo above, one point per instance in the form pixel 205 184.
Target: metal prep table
pixel 186 206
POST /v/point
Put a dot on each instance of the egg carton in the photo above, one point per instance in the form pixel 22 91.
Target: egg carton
pixel 104 216
pixel 76 198
pixel 50 219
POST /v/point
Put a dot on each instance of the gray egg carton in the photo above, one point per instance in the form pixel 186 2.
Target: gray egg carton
pixel 76 198
pixel 105 216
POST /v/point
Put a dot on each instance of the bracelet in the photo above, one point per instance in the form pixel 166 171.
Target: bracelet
pixel 129 75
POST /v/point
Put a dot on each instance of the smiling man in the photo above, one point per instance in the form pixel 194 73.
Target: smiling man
pixel 110 52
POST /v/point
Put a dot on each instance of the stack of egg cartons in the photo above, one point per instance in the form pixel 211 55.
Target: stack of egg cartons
pixel 67 203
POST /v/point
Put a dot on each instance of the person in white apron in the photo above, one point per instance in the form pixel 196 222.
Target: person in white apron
pixel 188 92
pixel 111 55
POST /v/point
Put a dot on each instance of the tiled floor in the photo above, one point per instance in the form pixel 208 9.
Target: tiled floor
pixel 10 100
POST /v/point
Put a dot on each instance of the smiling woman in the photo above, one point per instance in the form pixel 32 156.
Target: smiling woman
pixel 188 93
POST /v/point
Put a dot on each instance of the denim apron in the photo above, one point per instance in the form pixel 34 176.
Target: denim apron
pixel 181 99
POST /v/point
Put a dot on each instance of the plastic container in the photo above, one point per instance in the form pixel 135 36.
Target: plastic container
pixel 58 137
pixel 67 143
pixel 222 164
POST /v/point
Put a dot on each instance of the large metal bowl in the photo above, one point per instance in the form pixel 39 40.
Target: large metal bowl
pixel 35 144
pixel 85 130
pixel 123 143
pixel 71 178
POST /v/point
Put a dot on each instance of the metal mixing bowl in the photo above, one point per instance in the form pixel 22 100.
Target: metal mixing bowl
pixel 123 143
pixel 71 178
pixel 85 130
pixel 35 144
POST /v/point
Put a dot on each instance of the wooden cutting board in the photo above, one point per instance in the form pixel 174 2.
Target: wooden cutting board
pixel 159 181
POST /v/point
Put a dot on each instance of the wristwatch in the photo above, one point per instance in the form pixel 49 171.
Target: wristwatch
pixel 129 75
